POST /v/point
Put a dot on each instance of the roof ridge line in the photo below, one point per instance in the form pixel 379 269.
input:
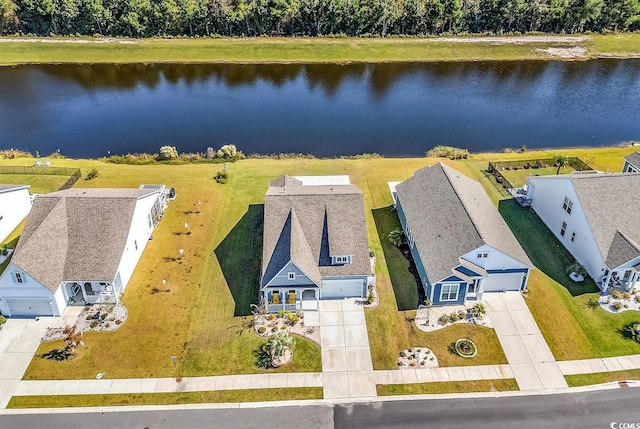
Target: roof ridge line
pixel 466 209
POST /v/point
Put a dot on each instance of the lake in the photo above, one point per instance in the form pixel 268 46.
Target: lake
pixel 396 109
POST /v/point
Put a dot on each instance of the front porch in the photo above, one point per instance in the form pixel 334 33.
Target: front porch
pixel 624 279
pixel 288 299
pixel 82 293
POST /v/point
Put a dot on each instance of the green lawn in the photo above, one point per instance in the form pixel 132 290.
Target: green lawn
pixel 572 328
pixel 499 385
pixel 200 319
pixel 518 178
pixel 303 50
pixel 602 377
pixel 40 184
pixel 251 395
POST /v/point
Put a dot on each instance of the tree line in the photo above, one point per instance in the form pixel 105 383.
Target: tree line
pixel 145 18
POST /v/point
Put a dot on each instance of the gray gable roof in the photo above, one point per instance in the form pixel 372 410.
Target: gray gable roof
pixel 9 188
pixel 76 234
pixel 449 215
pixel 307 224
pixel 610 203
pixel 633 159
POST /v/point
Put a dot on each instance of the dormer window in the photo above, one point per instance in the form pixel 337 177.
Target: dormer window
pixel 482 255
pixel 292 275
pixel 342 259
pixel 567 205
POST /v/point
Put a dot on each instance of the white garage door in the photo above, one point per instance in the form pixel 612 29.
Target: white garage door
pixel 342 289
pixel 29 307
pixel 503 282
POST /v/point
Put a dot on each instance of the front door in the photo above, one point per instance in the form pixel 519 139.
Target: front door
pixel 472 289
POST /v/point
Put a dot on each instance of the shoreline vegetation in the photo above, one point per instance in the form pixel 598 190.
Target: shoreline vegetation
pixel 229 153
pixel 274 50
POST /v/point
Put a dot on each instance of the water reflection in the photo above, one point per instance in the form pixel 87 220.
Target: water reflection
pixel 394 109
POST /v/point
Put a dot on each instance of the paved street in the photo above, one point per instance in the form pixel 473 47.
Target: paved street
pixel 527 352
pixel 577 410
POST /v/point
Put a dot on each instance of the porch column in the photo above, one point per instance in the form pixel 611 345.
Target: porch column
pixel 317 295
pixel 84 292
pixel 115 291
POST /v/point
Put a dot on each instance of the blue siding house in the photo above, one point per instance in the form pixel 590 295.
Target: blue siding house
pixel 461 246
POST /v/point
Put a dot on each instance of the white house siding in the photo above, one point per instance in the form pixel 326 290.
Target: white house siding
pixel 30 289
pixel 138 237
pixel 496 260
pixel 547 197
pixel 15 205
pixel 282 278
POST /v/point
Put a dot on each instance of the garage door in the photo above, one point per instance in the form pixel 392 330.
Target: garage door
pixel 342 289
pixel 29 307
pixel 503 282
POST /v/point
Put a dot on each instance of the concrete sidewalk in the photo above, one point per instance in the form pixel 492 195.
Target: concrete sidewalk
pixel 167 385
pixel 589 366
pixel 347 370
pixel 532 363
pixel 454 373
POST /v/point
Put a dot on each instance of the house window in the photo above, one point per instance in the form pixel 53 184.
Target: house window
pixel 563 229
pixel 292 276
pixel 19 278
pixel 149 219
pixel 482 255
pixel 573 236
pixel 135 243
pixel 342 259
pixel 449 292
pixel 567 205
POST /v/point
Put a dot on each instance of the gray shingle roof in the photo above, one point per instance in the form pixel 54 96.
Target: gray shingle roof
pixel 6 187
pixel 449 215
pixel 76 234
pixel 611 206
pixel 307 224
pixel 633 159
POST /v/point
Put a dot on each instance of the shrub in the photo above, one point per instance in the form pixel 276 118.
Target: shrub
pixel 617 305
pixel 443 319
pixel 227 151
pixel 3 249
pixel 577 268
pixel 211 153
pixel 92 174
pixel 626 295
pixel 118 322
pixel 167 153
pixel 370 297
pixel 397 237
pixel 478 310
pixel 403 354
pixel 93 324
pixel 462 314
pixel 450 152
pixel 453 317
pixel 616 294
pixel 2 319
pixel 292 319
pixel 262 330
pixel 222 177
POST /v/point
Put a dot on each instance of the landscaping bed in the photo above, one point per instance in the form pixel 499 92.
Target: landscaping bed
pixel 417 357
pixel 266 325
pixel 98 317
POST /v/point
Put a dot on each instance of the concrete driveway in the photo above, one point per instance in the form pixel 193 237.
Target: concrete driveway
pixel 347 371
pixel 19 340
pixel 527 352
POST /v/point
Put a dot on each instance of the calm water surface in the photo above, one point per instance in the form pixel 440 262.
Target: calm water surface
pixel 328 110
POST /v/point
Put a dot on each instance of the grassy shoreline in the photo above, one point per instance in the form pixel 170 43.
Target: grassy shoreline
pixel 26 50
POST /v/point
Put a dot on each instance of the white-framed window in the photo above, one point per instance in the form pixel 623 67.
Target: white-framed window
pixel 19 278
pixel 563 229
pixel 342 259
pixel 482 255
pixel 409 236
pixel 291 275
pixel 449 292
pixel 135 243
pixel 567 205
pixel 573 236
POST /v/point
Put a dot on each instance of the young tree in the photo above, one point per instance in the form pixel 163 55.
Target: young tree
pixel 561 161
pixel 397 237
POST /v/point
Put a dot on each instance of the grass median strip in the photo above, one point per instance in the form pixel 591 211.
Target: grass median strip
pixel 602 377
pixel 221 396
pixel 500 385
